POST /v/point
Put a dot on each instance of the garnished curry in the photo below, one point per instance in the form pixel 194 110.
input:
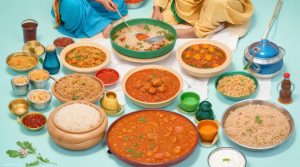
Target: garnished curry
pixel 203 56
pixel 85 57
pixel 152 85
pixel 152 137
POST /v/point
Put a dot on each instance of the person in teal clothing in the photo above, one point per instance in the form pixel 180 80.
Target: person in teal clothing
pixel 86 18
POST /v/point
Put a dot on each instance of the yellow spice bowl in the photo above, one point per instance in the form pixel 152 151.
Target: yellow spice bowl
pixel 208 129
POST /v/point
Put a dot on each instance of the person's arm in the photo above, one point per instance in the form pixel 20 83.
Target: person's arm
pixel 158 6
pixel 108 4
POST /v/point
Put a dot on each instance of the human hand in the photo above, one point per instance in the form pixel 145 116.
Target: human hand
pixel 157 15
pixel 109 5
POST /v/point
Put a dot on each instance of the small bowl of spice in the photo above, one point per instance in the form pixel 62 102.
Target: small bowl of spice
pixel 20 85
pixel 61 43
pixel 108 76
pixel 39 78
pixel 33 121
pixel 39 99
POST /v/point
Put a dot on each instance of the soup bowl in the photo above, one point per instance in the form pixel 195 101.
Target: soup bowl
pixel 204 72
pixel 129 86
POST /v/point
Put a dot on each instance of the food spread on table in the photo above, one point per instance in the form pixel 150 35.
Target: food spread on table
pixel 152 136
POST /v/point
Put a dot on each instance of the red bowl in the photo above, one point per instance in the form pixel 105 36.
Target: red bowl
pixel 108 76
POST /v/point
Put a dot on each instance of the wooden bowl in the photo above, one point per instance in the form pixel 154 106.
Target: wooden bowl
pixel 77 140
pixel 88 69
pixel 204 72
pixel 91 100
pixel 151 104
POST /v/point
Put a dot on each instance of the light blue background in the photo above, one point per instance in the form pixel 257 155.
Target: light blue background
pixel 285 33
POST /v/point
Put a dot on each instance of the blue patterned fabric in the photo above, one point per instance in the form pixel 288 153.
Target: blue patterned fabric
pixel 86 18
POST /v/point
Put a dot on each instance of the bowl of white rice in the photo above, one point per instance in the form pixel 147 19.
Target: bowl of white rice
pixel 77 125
pixel 257 125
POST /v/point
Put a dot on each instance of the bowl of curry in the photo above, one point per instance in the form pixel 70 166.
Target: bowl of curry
pixel 152 86
pixel 204 58
pixel 152 138
pixel 85 57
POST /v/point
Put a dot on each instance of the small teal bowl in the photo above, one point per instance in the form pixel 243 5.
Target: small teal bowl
pixel 232 74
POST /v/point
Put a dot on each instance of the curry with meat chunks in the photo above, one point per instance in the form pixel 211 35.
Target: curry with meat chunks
pixel 152 137
pixel 152 85
pixel 203 56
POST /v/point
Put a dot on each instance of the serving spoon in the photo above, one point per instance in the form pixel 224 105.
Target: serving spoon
pixel 138 35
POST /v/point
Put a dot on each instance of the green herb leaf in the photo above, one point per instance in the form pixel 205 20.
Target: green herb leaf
pixel 39 157
pixel 41 60
pixel 130 150
pixel 258 119
pixel 13 153
pixel 75 97
pixel 35 163
pixel 126 46
pixel 27 145
pixel 142 119
pixel 226 159
pixel 146 27
pixel 139 154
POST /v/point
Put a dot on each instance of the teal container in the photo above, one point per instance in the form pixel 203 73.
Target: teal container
pixel 205 111
pixel 143 54
pixel 236 73
pixel 189 101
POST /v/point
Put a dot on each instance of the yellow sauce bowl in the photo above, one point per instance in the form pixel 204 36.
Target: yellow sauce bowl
pixel 208 129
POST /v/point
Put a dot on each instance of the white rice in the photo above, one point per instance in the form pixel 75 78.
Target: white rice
pixel 77 117
pixel 243 126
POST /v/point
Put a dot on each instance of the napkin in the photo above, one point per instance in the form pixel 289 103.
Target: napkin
pixel 264 89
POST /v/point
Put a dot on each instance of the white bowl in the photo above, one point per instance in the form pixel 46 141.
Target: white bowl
pixel 204 72
pixel 84 70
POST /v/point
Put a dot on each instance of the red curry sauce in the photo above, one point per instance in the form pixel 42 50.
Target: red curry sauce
pixel 152 136
pixel 152 85
pixel 34 120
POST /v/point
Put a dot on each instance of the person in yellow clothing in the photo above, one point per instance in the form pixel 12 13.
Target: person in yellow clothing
pixel 204 16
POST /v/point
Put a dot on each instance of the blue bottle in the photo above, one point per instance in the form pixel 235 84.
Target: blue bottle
pixel 51 62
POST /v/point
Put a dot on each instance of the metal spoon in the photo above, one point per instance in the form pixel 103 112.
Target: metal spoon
pixel 150 40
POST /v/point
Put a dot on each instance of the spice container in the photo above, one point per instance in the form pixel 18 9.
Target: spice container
pixel 29 29
pixel 39 78
pixel 20 85
pixel 205 112
pixel 39 99
pixel 18 107
pixel 286 89
pixel 62 42
pixel 33 121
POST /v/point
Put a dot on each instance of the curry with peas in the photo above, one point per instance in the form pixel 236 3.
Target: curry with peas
pixel 203 56
pixel 152 137
pixel 152 85
pixel 85 57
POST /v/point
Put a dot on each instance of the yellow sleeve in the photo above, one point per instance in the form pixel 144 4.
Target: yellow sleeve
pixel 161 3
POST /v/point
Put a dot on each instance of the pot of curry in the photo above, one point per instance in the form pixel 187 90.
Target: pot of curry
pixel 152 86
pixel 152 138
pixel 204 58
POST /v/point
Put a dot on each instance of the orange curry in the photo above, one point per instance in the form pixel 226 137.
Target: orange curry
pixel 152 85
pixel 203 56
pixel 152 137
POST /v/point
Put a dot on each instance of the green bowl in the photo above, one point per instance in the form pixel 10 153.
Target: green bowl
pixel 235 73
pixel 143 54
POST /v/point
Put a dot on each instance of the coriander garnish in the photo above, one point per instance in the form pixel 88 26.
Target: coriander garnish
pixel 258 119
pixel 226 159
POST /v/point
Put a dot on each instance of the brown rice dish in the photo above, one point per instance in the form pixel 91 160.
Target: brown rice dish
pixel 257 126
pixel 78 87
pixel 38 75
pixel 22 62
pixel 236 85
pixel 126 39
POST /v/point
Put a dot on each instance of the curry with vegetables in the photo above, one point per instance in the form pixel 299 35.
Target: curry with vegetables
pixel 152 137
pixel 203 56
pixel 85 57
pixel 152 85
